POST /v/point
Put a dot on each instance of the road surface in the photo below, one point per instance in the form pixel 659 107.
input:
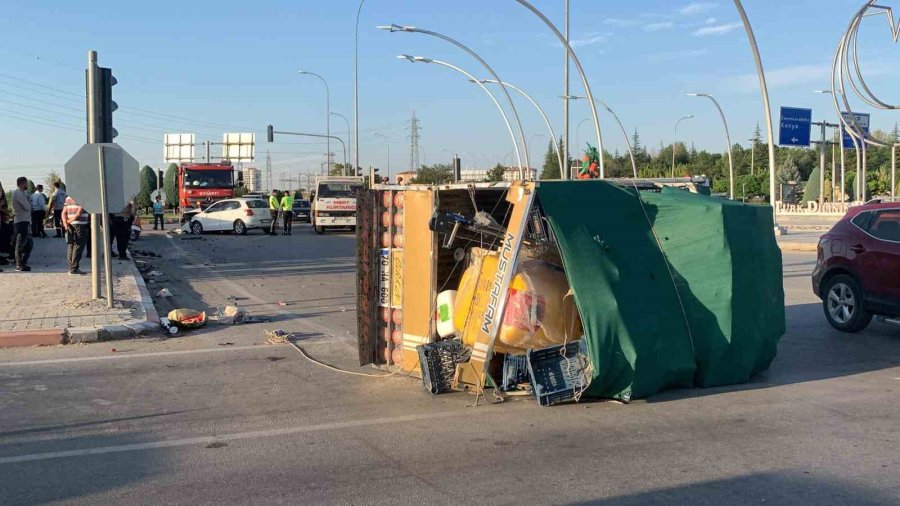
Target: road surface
pixel 216 416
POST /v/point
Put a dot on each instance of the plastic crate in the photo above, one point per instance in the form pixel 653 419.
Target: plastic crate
pixel 558 373
pixel 438 362
pixel 515 371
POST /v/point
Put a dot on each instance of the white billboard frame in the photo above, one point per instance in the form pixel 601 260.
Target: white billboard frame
pixel 239 147
pixel 179 148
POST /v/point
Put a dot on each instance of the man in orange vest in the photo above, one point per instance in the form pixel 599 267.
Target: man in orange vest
pixel 75 223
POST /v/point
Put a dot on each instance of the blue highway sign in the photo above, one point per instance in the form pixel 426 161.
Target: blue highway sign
pixel 862 120
pixel 795 126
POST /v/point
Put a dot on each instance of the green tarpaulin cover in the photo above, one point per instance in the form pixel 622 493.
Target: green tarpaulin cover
pixel 720 320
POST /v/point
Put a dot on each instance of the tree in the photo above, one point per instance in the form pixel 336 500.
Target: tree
pixel 170 185
pixel 895 134
pixel 298 195
pixel 148 185
pixel 30 188
pixel 788 173
pixel 434 174
pixel 53 177
pixel 497 174
pixel 551 169
pixel 811 192
pixel 240 191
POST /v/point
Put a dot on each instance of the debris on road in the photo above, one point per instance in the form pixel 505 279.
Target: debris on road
pixel 145 253
pixel 165 292
pixel 277 336
pixel 230 315
pixel 167 326
pixel 187 318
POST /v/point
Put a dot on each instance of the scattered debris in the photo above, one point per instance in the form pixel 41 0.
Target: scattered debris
pixel 165 292
pixel 187 318
pixel 277 336
pixel 230 315
pixel 155 274
pixel 226 344
pixel 142 266
pixel 166 325
pixel 145 253
pixel 282 303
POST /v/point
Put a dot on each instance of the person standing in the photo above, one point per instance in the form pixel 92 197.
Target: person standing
pixel 38 211
pixel 22 222
pixel 121 229
pixel 57 203
pixel 274 204
pixel 75 223
pixel 287 212
pixel 6 229
pixel 158 213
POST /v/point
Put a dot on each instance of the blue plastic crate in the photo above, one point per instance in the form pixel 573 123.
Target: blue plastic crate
pixel 558 373
pixel 438 363
pixel 515 371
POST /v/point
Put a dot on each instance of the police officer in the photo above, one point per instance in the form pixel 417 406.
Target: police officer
pixel 287 212
pixel 274 205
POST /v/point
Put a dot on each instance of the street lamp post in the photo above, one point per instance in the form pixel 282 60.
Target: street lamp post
pixel 421 59
pixel 531 144
pixel 855 145
pixel 543 116
pixel 411 29
pixel 349 143
pixel 584 81
pixel 327 117
pixel 675 141
pixel 727 140
pixel 388 143
pixel 621 127
pixel 356 86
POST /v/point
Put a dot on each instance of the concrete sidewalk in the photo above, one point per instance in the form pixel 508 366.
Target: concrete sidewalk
pixel 48 306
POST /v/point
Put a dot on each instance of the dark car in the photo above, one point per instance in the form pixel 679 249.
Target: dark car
pixel 857 272
pixel 302 211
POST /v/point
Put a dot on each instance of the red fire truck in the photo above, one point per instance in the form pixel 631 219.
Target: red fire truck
pixel 200 184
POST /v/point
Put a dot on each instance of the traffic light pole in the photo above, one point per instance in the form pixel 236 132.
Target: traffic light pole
pixel 93 134
pixel 271 138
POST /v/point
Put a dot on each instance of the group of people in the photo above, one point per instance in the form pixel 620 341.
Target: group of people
pixel 24 219
pixel 284 206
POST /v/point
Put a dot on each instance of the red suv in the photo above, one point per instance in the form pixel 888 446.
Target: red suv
pixel 857 271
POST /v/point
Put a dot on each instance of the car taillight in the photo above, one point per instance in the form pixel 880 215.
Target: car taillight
pixel 248 212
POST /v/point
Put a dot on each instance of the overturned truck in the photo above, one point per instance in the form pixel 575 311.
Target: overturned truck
pixel 568 289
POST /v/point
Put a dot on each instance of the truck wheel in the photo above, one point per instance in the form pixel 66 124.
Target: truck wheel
pixel 319 230
pixel 240 228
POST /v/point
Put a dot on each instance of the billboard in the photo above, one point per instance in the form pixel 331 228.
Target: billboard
pixel 239 147
pixel 179 148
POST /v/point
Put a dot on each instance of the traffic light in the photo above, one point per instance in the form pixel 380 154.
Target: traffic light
pixel 106 105
pixel 270 133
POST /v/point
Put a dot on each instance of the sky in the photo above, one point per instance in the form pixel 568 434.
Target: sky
pixel 208 68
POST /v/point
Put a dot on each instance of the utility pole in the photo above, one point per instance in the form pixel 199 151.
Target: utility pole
pixel 414 143
pixel 268 172
pixel 564 171
pixel 93 136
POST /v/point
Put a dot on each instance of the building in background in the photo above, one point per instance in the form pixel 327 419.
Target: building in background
pixel 252 179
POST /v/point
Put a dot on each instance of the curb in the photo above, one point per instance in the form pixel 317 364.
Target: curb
pixel 75 335
pixel 22 338
pixel 799 246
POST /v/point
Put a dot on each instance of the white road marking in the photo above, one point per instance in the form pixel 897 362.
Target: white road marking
pixel 286 431
pixel 135 355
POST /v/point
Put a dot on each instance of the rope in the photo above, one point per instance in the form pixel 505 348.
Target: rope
pixel 285 338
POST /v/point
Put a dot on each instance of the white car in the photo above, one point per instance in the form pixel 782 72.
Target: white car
pixel 238 215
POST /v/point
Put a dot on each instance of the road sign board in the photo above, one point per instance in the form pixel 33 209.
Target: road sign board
pixel 158 193
pixel 179 148
pixel 795 126
pixel 240 147
pixel 862 120
pixel 83 177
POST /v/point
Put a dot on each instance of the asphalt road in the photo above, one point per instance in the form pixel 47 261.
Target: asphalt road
pixel 216 416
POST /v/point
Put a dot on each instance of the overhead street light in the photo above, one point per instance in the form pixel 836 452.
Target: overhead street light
pixel 621 127
pixel 675 141
pixel 543 116
pixel 727 140
pixel 422 59
pixel 327 117
pixel 347 122
pixel 411 29
pixel 388 143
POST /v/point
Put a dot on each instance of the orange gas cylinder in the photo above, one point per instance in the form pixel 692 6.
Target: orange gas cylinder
pixel 398 220
pixel 386 240
pixel 386 199
pixel 397 338
pixel 397 317
pixel 397 356
pixel 386 219
pixel 398 241
pixel 399 200
pixel 386 314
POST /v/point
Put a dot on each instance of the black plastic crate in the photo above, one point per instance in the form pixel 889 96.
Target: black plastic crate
pixel 438 363
pixel 515 371
pixel 559 373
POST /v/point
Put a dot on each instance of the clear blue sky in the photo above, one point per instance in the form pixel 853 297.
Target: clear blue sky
pixel 210 67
